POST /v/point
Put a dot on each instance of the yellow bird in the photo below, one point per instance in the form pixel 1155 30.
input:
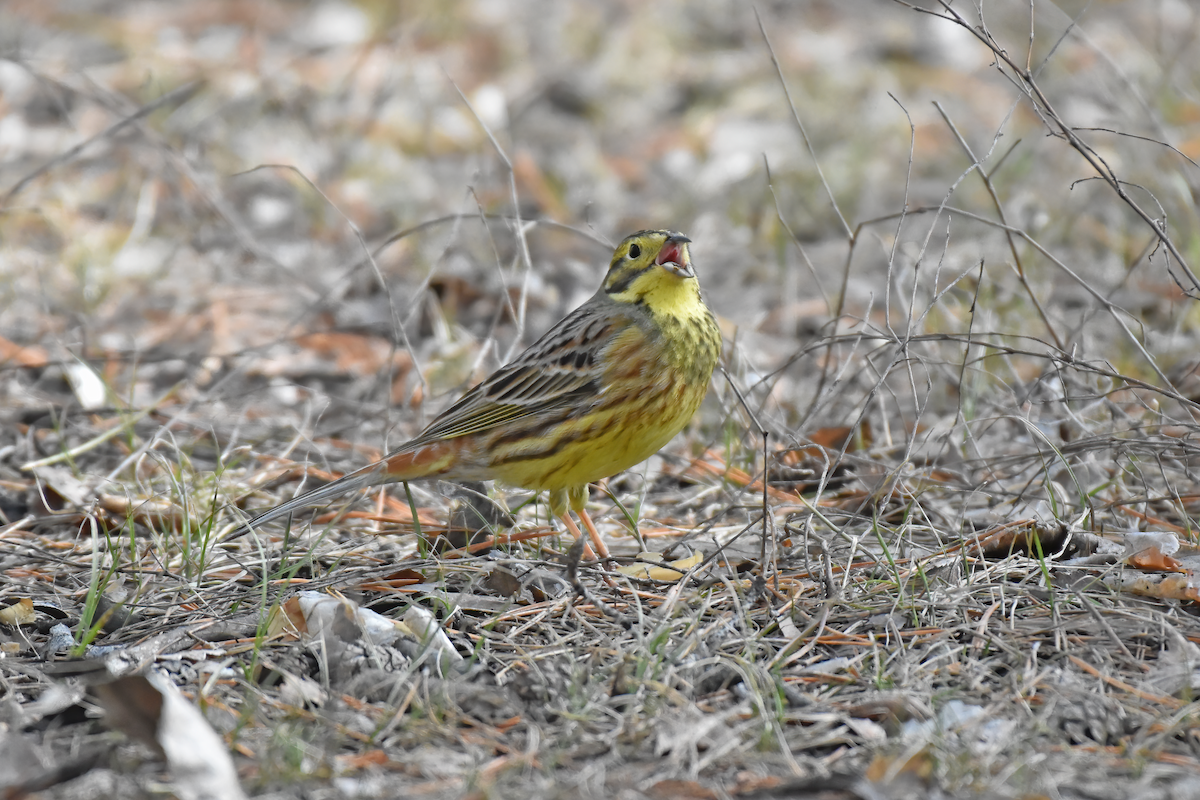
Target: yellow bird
pixel 600 392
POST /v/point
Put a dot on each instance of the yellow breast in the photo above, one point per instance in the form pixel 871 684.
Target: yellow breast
pixel 655 377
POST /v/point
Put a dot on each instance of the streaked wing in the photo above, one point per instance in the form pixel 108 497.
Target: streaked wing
pixel 560 369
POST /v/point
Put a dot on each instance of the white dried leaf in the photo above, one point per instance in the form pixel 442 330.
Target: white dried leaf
pixel 88 386
pixel 424 626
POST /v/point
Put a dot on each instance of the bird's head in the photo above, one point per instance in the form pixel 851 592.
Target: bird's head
pixel 653 267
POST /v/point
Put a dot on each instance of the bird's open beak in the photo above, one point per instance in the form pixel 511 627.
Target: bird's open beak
pixel 674 256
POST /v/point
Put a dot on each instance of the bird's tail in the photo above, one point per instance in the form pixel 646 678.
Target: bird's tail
pixel 404 464
pixel 359 479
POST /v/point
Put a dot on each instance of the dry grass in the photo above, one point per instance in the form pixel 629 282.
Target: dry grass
pixel 247 247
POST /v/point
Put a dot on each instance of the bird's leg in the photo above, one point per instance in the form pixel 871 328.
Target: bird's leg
pixel 577 496
pixel 586 518
pixel 563 502
pixel 574 529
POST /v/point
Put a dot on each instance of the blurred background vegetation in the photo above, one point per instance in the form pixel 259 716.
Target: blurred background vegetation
pixel 219 228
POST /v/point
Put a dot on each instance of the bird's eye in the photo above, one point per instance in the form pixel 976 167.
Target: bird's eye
pixel 634 251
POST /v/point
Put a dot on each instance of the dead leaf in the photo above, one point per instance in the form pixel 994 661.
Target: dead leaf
pixel 87 384
pixel 502 582
pixel 670 572
pixel 919 765
pixel 151 709
pixel 352 762
pixel 22 356
pixel 287 619
pixel 1154 560
pixel 424 625
pixel 1153 551
pixel 681 790
pixel 156 513
pixel 1024 536
pixel 64 484
pixel 315 614
pixel 1163 586
pixel 355 353
pixel 133 707
pixel 19 613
